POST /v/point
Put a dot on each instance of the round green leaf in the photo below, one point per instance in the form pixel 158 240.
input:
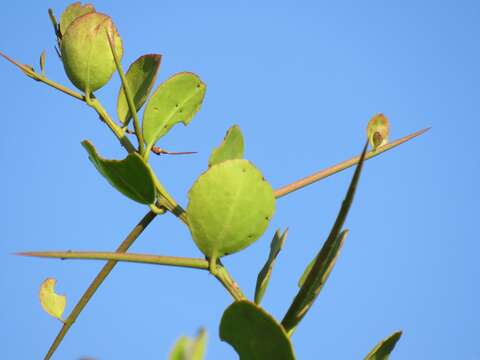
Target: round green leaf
pixel 176 100
pixel 140 78
pixel 131 176
pixel 86 53
pixel 230 148
pixel 230 206
pixel 254 333
pixel 72 12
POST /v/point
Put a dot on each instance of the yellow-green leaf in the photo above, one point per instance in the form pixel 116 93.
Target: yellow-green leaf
pixel 254 334
pixel 51 302
pixel 230 206
pixel 328 262
pixel 140 78
pixel 264 275
pixel 86 53
pixel 378 130
pixel 231 147
pixel 384 348
pixel 176 100
pixel 187 348
pixel 131 176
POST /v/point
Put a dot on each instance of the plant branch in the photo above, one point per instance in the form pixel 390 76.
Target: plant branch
pixel 29 72
pixel 94 103
pixel 322 174
pixel 124 246
pixel 222 274
pixel 129 97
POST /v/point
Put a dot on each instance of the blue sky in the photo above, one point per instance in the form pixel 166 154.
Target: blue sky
pixel 301 79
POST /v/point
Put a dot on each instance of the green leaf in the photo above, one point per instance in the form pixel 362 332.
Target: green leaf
pixel 187 348
pixel 141 76
pixel 231 147
pixel 51 302
pixel 131 176
pixel 176 100
pixel 72 12
pixel 325 259
pixel 86 53
pixel 254 334
pixel 378 130
pixel 230 206
pixel 384 348
pixel 327 263
pixel 264 274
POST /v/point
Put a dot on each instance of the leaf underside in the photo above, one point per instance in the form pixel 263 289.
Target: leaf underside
pixel 254 334
pixel 131 176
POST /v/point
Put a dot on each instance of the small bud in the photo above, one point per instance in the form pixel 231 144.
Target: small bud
pixel 43 58
pixel 86 54
pixel 378 130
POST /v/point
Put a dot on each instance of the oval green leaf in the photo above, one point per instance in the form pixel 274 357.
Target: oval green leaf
pixel 383 349
pixel 254 334
pixel 86 53
pixel 131 176
pixel 230 206
pixel 72 12
pixel 232 147
pixel 141 76
pixel 176 100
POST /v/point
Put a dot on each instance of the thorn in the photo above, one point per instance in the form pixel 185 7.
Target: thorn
pixel 158 151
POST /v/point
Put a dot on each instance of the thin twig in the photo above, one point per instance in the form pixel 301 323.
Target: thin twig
pixel 221 274
pixel 322 174
pixel 128 95
pixel 124 246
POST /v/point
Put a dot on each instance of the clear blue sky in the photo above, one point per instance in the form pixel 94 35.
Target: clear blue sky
pixel 301 78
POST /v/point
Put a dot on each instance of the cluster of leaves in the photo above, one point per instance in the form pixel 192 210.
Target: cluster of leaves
pixel 230 204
